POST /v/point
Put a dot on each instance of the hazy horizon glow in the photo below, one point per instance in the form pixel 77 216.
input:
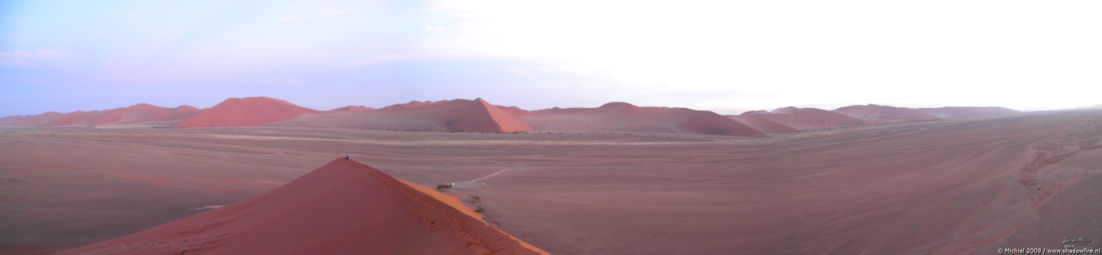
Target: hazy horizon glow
pixel 727 57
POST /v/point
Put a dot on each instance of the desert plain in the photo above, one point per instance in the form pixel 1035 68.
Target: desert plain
pixel 960 186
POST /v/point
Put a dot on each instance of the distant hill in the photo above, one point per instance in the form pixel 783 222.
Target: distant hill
pixel 353 108
pixel 454 115
pixel 135 115
pixel 808 118
pixel 625 117
pixel 478 115
pixel 957 112
pixel 881 114
pixel 761 123
pixel 245 112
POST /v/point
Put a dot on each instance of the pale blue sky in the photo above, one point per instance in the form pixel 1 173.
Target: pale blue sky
pixel 725 56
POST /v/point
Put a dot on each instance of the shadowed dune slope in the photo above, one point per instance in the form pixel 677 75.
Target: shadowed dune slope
pixel 456 115
pixel 343 207
pixel 624 117
pixel 481 116
pixel 882 114
pixel 245 112
pixel 808 118
pixel 957 112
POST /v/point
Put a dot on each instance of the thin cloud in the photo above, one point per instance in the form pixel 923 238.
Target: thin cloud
pixel 383 59
pixel 339 12
pixel 515 71
pixel 432 28
pixel 23 54
pixel 330 13
pixel 293 18
pixel 20 56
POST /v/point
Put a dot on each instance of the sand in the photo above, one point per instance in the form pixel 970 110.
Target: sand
pixel 343 207
pixel 882 114
pixel 943 187
pixel 245 112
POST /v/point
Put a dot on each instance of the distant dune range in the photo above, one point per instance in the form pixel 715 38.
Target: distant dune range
pixel 957 112
pixel 631 118
pixel 792 119
pixel 343 207
pixel 881 114
pixel 136 115
pixel 453 115
pixel 480 116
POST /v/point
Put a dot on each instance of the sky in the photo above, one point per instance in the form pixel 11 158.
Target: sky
pixel 724 56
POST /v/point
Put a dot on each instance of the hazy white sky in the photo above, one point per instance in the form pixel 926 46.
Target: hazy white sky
pixel 727 56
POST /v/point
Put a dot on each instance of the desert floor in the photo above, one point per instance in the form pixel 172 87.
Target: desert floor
pixel 944 187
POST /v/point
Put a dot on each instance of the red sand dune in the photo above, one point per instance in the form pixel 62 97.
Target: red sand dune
pixel 139 114
pixel 762 124
pixel 808 118
pixel 882 114
pixel 625 117
pixel 462 115
pixel 344 207
pixel 458 115
pixel 481 116
pixel 244 112
pixel 957 112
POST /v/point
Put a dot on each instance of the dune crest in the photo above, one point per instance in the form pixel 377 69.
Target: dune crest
pixel 343 207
